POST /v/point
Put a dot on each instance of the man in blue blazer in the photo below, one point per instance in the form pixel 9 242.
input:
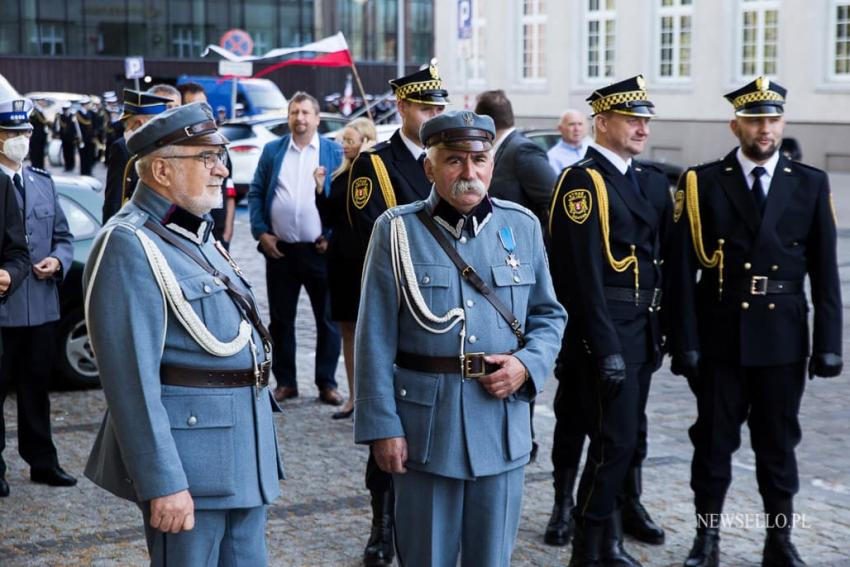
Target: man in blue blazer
pixel 285 220
pixel 443 379
pixel 183 357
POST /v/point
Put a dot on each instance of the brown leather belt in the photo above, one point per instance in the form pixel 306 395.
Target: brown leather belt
pixel 762 285
pixel 471 365
pixel 206 378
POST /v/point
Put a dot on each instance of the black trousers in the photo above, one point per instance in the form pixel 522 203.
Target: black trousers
pixel 571 427
pixel 301 266
pixel 768 399
pixel 69 152
pixel 614 427
pixel 28 354
pixel 37 154
pixel 87 158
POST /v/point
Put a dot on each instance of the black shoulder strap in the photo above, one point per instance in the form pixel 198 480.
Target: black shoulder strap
pixel 470 275
pixel 244 302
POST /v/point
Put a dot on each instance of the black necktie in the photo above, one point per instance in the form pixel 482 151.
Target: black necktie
pixel 19 185
pixel 421 159
pixel 630 175
pixel 759 195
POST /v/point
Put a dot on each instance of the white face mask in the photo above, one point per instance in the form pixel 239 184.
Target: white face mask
pixel 16 148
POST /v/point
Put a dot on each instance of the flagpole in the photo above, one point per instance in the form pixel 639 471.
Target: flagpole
pixel 360 86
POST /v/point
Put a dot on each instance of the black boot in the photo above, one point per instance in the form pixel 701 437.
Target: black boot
pixel 560 526
pixel 587 544
pixel 706 549
pixel 778 549
pixel 636 520
pixel 613 554
pixel 379 550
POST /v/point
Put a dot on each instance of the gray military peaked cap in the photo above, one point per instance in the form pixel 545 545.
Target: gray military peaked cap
pixel 459 130
pixel 192 124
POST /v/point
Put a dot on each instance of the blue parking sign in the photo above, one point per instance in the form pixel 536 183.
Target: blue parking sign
pixel 464 19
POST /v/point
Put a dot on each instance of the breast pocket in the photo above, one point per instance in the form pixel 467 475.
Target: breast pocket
pixel 433 281
pixel 513 287
pixel 202 428
pixel 208 296
pixel 43 225
pixel 415 395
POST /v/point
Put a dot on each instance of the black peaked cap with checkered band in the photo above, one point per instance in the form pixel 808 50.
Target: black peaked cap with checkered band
pixel 626 97
pixel 424 86
pixel 762 97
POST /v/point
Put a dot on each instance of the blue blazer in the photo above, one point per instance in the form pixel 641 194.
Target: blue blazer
pixel 261 191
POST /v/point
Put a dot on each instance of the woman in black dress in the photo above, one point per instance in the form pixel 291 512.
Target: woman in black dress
pixel 344 269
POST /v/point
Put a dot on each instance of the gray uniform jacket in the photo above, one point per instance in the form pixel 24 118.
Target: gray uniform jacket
pixel 36 301
pixel 453 427
pixel 159 439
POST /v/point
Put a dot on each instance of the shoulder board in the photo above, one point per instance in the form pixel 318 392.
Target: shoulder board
pixel 401 210
pixel 134 219
pixel 706 165
pixel 587 162
pixel 807 167
pixel 503 204
pixel 39 171
pixel 647 165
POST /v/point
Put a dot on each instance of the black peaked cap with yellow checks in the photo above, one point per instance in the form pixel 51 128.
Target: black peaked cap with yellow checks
pixel 626 97
pixel 762 97
pixel 424 86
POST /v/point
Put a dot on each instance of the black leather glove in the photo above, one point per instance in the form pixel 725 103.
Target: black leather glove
pixel 825 365
pixel 612 375
pixel 686 364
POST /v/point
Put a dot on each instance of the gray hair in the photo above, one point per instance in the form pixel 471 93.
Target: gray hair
pixel 143 164
pixel 163 89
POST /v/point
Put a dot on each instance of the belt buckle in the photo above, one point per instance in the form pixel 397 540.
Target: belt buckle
pixel 261 374
pixel 758 285
pixel 468 359
pixel 655 303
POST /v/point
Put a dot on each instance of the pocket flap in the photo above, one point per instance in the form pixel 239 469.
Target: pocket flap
pixel 200 285
pixel 432 275
pixel 507 276
pixel 416 388
pixel 199 411
pixel 42 211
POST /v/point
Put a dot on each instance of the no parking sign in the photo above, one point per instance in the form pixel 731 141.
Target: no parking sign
pixel 238 42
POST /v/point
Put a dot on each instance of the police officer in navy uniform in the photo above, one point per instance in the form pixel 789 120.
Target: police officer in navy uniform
pixel 183 357
pixel 391 173
pixel 69 132
pixel 754 224
pixel 121 177
pixel 610 220
pixel 28 316
pixel 443 379
pixel 88 122
pixel 39 137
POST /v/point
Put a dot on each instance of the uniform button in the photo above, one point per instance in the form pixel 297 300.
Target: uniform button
pixel 745 305
pixel 462 240
pixel 516 279
pixel 426 279
pixel 747 265
pixel 795 243
pixel 217 281
pixel 192 421
pixel 771 306
pixel 207 289
pixel 473 339
pixel 469 303
pixel 402 392
pixel 774 267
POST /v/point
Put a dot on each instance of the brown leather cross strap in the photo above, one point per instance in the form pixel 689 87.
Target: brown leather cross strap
pixel 209 378
pixel 244 302
pixel 470 275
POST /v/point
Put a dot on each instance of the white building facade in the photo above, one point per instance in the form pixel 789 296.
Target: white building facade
pixel 549 55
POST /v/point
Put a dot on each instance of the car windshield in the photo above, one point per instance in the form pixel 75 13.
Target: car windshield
pixel 235 132
pixel 80 222
pixel 264 95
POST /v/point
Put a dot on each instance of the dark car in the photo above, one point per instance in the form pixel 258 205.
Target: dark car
pixel 548 138
pixel 75 363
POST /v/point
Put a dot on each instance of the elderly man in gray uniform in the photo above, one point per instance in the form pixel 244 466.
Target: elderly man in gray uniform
pixel 449 354
pixel 28 316
pixel 183 357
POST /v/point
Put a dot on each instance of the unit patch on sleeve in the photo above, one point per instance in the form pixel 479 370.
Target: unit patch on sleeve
pixel 577 205
pixel 361 190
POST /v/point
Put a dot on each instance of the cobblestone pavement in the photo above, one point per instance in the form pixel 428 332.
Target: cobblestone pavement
pixel 322 517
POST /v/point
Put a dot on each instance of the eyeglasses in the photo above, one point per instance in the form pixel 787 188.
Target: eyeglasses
pixel 210 159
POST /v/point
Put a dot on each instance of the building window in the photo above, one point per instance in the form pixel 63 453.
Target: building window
pixel 49 39
pixel 600 33
pixel 185 43
pixel 675 19
pixel 478 59
pixel 759 20
pixel 533 25
pixel 841 40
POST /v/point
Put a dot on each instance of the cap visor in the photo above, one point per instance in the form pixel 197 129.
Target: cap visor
pixel 762 110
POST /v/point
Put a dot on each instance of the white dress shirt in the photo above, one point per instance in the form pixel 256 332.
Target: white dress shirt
pixel 294 215
pixel 615 160
pixel 411 146
pixel 563 155
pixel 747 166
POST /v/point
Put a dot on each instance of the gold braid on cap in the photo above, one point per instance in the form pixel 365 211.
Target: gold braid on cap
pixel 757 96
pixel 716 260
pixel 410 88
pixel 606 102
pixel 631 259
